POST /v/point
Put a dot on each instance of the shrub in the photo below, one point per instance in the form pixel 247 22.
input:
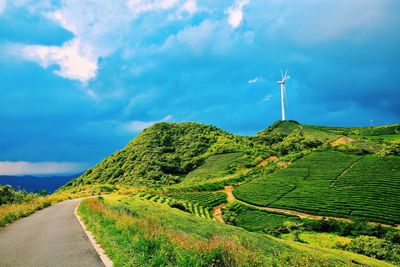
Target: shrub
pixel 351 149
pixel 178 205
pixel 373 247
pixel 295 142
pixel 8 195
pixel 343 228
pixel 393 237
pixel 391 150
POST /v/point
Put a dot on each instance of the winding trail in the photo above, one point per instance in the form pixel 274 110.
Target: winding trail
pixel 49 237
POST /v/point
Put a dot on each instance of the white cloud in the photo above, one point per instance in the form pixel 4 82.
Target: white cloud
pixel 201 38
pixel 99 30
pixel 140 6
pixel 25 167
pixel 255 80
pixel 138 126
pixel 190 6
pixel 3 5
pixel 76 60
pixel 235 12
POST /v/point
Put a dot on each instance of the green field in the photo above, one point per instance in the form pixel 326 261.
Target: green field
pixel 135 232
pixel 214 166
pixel 332 184
pixel 324 240
pixel 253 219
pixel 199 204
pixel 319 133
pixel 171 176
pixel 205 199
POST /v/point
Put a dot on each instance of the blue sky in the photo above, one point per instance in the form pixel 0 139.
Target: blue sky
pixel 79 78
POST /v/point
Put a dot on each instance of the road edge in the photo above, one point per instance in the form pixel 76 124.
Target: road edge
pixel 100 251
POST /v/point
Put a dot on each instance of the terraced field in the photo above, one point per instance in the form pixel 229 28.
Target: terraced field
pixel 253 219
pixel 332 184
pixel 199 204
pixel 205 199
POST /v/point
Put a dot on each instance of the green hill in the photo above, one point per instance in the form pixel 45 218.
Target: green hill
pixel 320 190
pixel 166 152
pixel 169 153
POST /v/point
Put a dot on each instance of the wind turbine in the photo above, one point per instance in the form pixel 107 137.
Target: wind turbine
pixel 283 91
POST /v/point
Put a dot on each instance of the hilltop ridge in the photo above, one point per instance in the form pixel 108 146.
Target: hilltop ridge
pixel 165 153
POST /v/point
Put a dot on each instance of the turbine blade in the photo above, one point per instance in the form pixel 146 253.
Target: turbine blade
pixel 286 73
pixel 282 75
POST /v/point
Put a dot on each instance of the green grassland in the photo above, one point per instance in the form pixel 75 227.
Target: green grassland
pixel 137 232
pixel 174 153
pixel 361 131
pixel 214 166
pixel 166 153
pixel 324 240
pixel 332 183
pixel 172 174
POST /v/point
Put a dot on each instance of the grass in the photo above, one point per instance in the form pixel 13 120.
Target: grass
pixel 332 184
pixel 210 185
pixel 137 232
pixel 214 166
pixel 321 134
pixel 13 212
pixel 324 240
pixel 387 137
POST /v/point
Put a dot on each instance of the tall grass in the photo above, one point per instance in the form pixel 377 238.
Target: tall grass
pixel 141 235
pixel 12 212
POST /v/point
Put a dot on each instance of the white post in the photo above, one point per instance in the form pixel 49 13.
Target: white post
pixel 283 100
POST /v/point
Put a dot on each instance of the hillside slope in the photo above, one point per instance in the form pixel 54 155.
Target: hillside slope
pixel 332 183
pixel 164 153
pixel 160 236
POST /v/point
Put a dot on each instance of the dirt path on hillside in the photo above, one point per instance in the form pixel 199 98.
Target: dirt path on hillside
pixel 342 140
pixel 228 190
pixel 217 213
pixel 217 210
pixel 267 160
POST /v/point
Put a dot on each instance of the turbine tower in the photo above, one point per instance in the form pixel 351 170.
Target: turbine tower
pixel 283 91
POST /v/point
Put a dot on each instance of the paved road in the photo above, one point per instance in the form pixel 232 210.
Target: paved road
pixel 50 237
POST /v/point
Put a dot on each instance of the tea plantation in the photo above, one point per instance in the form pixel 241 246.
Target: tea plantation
pixel 206 199
pixel 214 166
pixel 332 184
pixel 199 204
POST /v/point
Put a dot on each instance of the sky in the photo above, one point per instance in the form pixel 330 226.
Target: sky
pixel 81 78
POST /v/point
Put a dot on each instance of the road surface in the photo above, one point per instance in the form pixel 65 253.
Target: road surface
pixel 50 237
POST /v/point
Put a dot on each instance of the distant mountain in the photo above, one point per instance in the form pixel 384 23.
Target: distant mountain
pixel 35 183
